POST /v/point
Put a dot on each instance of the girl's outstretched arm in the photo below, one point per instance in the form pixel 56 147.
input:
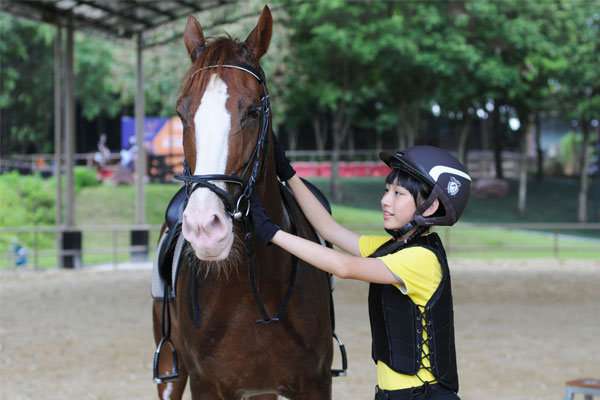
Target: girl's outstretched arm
pixel 343 265
pixel 317 215
pixel 321 220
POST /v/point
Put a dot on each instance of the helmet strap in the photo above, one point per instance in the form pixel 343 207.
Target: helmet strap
pixel 449 213
pixel 398 233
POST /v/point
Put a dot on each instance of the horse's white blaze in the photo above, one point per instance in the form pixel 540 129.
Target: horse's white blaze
pixel 212 122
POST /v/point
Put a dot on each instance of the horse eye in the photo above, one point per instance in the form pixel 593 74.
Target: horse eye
pixel 254 112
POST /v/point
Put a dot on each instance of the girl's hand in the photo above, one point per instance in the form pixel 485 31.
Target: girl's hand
pixel 284 169
pixel 262 226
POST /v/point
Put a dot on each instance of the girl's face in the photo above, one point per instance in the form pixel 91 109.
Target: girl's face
pixel 398 206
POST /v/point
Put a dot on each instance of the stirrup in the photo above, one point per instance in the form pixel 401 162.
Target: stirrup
pixel 344 370
pixel 174 375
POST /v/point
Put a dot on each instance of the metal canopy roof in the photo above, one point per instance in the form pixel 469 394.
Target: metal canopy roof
pixel 116 18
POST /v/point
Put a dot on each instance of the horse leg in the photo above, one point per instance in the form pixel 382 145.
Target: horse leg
pixel 171 390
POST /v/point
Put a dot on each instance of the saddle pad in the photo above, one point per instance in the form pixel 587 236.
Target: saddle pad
pixel 158 284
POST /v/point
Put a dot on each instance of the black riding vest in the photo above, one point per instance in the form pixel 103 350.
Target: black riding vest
pixel 396 323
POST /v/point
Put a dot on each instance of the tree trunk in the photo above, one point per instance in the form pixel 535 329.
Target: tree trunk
pixel 320 130
pixel 378 141
pixel 351 146
pixel 400 131
pixel 522 198
pixel 583 182
pixel 292 140
pixel 538 147
pixel 413 129
pixel 340 128
pixel 497 135
pixel 463 135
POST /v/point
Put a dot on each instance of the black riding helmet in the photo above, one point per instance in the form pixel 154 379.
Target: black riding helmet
pixel 443 173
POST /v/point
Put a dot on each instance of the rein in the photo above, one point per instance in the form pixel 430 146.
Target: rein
pixel 193 182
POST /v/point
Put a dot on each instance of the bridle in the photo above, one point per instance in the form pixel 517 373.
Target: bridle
pixel 259 156
pixel 233 206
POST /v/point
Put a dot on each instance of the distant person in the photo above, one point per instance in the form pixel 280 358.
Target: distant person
pixel 128 155
pixel 103 154
pixel 19 252
pixel 410 296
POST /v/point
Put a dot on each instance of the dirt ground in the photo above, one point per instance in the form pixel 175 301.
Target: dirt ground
pixel 523 328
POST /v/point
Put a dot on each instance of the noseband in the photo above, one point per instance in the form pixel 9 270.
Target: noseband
pixel 233 206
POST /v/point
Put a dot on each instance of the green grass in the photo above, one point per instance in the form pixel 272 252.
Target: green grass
pixel 551 201
pixel 470 241
pixel 548 200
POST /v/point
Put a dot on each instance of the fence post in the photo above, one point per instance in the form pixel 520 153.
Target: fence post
pixel 139 237
pixel 114 246
pixel 556 243
pixel 72 243
pixel 35 250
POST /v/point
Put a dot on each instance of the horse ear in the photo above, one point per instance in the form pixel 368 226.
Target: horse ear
pixel 193 37
pixel 260 37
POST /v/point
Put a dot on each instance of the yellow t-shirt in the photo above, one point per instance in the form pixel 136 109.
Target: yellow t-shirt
pixel 420 273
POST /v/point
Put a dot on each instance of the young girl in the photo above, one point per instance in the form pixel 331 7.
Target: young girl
pixel 410 297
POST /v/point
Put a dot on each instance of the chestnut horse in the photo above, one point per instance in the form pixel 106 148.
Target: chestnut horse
pixel 226 282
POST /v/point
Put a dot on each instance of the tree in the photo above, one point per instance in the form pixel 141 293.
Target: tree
pixel 332 57
pixel 26 86
pixel 579 91
pixel 517 61
pixel 410 62
pixel 27 98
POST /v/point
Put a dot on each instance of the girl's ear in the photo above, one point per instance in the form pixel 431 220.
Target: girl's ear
pixel 432 208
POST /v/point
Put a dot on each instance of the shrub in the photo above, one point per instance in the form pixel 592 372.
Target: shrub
pixel 84 177
pixel 26 200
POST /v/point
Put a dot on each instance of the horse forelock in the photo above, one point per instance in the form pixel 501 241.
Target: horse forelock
pixel 217 52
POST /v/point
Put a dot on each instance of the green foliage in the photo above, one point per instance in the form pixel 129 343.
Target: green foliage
pixel 579 25
pixel 26 86
pixel 95 88
pixel 27 83
pixel 84 177
pixel 27 200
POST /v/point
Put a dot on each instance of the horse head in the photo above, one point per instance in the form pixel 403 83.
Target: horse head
pixel 225 114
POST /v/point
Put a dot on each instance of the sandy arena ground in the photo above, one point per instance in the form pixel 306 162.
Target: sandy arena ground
pixel 523 327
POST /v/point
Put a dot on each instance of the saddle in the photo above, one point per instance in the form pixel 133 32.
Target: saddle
pixel 170 248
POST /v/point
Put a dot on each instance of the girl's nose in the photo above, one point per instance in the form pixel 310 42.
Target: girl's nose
pixel 385 199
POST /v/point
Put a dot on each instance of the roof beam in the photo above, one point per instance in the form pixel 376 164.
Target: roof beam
pixel 114 12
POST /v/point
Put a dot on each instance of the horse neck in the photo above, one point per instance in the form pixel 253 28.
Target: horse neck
pixel 268 191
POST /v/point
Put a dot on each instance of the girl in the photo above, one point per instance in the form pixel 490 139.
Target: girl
pixel 410 297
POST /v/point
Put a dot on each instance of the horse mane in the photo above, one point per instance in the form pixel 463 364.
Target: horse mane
pixel 217 51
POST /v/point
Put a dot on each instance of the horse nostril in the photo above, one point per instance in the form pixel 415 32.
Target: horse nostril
pixel 213 226
pixel 216 225
pixel 216 222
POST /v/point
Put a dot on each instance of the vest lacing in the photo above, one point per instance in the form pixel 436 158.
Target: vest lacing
pixel 422 312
